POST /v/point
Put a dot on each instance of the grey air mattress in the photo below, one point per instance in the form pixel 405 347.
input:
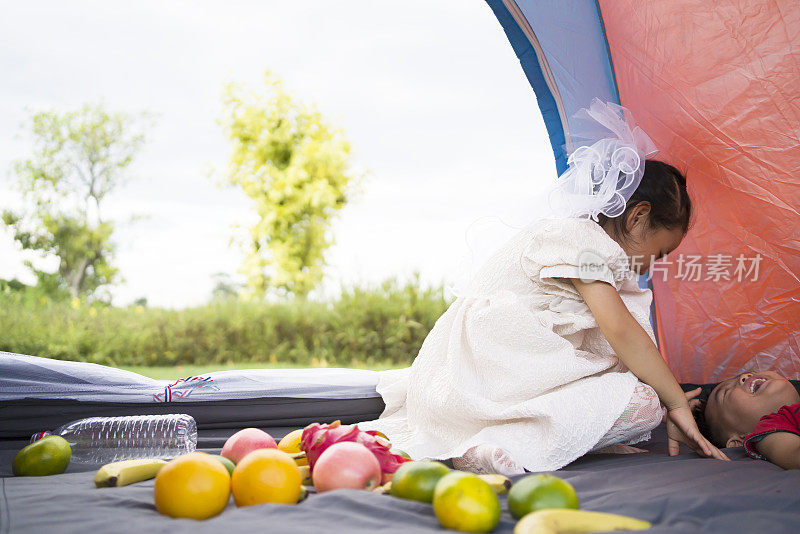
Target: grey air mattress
pixel 39 394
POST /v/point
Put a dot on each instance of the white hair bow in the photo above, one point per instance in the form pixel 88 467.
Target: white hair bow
pixel 602 176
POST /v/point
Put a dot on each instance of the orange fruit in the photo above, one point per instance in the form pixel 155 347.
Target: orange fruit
pixel 194 485
pixel 291 442
pixel 417 480
pixel 462 501
pixel 538 492
pixel 266 475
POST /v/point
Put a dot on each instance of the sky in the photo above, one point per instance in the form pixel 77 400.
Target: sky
pixel 429 94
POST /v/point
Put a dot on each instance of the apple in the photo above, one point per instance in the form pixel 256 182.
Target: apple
pixel 346 465
pixel 246 441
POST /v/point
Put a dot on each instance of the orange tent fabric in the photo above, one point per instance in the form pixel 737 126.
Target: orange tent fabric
pixel 716 85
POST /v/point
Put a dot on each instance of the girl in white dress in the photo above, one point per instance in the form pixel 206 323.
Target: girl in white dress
pixel 550 353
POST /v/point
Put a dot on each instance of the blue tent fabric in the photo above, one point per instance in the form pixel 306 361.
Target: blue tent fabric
pixel 562 48
pixel 563 42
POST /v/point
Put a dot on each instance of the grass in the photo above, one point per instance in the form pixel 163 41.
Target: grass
pixel 375 327
pixel 182 371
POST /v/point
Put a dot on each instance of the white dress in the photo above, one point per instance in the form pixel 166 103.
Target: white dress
pixel 518 369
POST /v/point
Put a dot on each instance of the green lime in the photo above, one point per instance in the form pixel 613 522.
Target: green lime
pixel 417 480
pixel 47 456
pixel 230 466
pixel 538 492
pixel 462 501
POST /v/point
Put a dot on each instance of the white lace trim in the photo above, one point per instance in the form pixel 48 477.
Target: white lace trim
pixel 487 459
pixel 643 413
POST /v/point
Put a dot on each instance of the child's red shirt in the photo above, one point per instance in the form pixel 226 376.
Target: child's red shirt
pixel 787 419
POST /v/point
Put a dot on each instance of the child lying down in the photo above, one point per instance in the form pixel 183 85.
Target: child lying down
pixel 760 411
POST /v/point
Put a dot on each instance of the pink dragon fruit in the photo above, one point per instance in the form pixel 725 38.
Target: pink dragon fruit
pixel 316 438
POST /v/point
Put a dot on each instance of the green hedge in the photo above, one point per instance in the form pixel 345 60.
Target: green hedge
pixel 364 327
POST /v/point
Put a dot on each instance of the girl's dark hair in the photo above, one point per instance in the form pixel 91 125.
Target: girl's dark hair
pixel 664 187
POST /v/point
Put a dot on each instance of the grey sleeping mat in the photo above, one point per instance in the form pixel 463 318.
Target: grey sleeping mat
pixel 682 494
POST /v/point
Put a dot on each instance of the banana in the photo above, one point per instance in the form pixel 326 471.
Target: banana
pixel 499 483
pixel 305 472
pixel 299 458
pixel 303 494
pixel 381 490
pixel 555 521
pixel 127 472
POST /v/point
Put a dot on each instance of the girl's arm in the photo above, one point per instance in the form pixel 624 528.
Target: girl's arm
pixel 630 342
pixel 639 354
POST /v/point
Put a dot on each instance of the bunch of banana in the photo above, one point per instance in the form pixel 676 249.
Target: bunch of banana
pixel 299 458
pixel 127 472
pixel 499 483
pixel 305 473
pixel 383 490
pixel 303 494
pixel 555 521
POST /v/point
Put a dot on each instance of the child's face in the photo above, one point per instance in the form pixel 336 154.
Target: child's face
pixel 735 405
pixel 651 245
pixel 644 244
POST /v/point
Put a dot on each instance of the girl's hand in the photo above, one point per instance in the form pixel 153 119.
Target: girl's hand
pixel 681 427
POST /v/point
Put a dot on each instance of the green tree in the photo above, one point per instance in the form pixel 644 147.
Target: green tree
pixel 295 168
pixel 78 158
pixel 224 287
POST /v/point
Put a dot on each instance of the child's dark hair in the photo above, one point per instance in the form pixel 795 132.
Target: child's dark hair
pixel 699 413
pixel 664 187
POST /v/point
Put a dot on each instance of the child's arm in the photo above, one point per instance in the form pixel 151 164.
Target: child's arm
pixel 781 448
pixel 630 342
pixel 639 354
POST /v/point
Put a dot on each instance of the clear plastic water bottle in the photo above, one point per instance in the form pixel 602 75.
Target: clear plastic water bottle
pixel 99 440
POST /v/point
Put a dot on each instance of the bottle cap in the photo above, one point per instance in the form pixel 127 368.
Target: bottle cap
pixel 40 435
